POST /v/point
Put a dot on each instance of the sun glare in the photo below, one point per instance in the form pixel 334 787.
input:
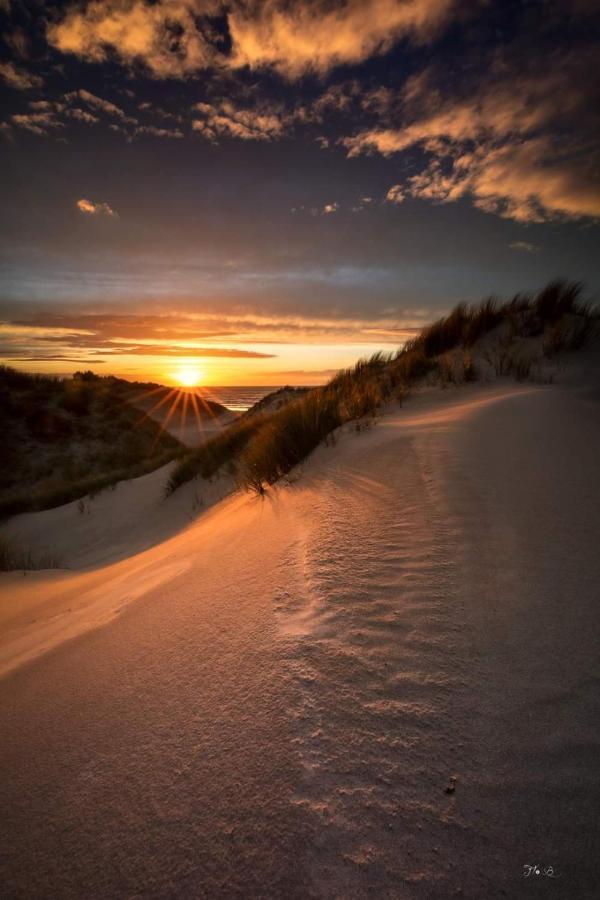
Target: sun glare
pixel 189 376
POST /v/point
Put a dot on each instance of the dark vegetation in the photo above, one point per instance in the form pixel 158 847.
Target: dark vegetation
pixel 14 557
pixel 261 449
pixel 63 439
pixel 276 399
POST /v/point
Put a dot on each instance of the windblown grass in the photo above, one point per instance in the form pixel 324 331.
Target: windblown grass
pixel 214 454
pixel 15 558
pixel 262 454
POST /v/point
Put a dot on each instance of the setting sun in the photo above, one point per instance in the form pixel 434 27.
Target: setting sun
pixel 189 376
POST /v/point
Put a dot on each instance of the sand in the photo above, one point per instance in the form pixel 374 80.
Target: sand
pixel 381 680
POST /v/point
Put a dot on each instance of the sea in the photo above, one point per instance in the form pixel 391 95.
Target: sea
pixel 238 399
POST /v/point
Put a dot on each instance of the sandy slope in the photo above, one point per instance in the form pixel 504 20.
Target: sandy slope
pixel 118 522
pixel 300 678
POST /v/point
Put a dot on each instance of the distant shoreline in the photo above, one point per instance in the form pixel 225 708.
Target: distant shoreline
pixel 238 399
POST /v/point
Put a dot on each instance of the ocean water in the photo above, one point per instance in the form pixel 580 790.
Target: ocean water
pixel 238 399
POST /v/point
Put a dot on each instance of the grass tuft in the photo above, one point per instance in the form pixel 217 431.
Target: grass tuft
pixel 208 459
pixel 14 558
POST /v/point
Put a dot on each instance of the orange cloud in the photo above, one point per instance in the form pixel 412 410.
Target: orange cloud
pixel 161 35
pixel 395 194
pixel 153 131
pixel 226 120
pixel 96 209
pixel 81 115
pixel 173 39
pixel 37 122
pixel 492 111
pixel 497 146
pixel 313 36
pixel 527 181
pixel 18 78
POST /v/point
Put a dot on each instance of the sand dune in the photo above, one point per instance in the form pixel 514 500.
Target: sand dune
pixel 379 680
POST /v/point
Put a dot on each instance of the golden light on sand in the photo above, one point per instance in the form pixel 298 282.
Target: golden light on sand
pixel 189 376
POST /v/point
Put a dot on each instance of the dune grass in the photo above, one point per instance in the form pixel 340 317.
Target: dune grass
pixel 206 460
pixel 64 491
pixel 65 438
pixel 262 454
pixel 15 558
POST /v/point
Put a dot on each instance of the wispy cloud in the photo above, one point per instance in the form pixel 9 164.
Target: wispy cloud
pixel 506 150
pixel 175 40
pixel 224 119
pixel 19 78
pixel 39 123
pixel 154 131
pixel 95 338
pixel 90 208
pixel 99 103
pixel 524 246
pixel 309 36
pixel 81 115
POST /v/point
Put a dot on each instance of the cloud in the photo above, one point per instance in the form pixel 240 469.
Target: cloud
pixel 98 331
pixel 518 154
pixel 105 106
pixel 529 181
pixel 184 351
pixel 524 246
pixel 490 112
pixel 75 359
pixel 164 35
pixel 179 39
pixel 96 209
pixel 19 79
pixel 159 132
pixel 395 194
pixel 340 99
pixel 39 123
pixel 102 337
pixel 313 36
pixel 225 120
pixel 81 115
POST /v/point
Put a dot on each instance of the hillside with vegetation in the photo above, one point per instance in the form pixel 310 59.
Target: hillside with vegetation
pixel 493 340
pixel 66 438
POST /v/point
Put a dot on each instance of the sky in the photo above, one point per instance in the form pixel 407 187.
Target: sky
pixel 260 192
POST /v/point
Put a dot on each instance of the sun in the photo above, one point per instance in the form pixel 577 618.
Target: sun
pixel 189 376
